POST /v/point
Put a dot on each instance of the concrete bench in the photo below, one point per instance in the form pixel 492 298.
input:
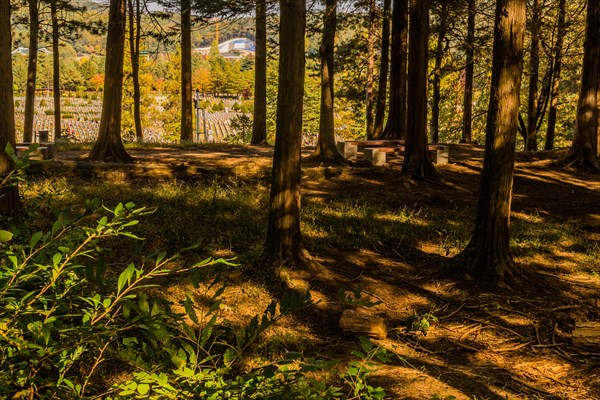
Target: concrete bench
pixel 45 151
pixel 375 150
pixel 377 143
pixel 375 155
pixel 440 154
pixel 348 150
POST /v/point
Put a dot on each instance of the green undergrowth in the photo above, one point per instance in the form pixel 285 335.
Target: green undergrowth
pixel 70 329
pixel 228 217
pixel 82 313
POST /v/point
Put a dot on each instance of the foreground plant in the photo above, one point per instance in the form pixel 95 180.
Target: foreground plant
pixel 69 326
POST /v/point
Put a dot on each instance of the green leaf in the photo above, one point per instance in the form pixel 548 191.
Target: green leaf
pixel 35 238
pixel 143 303
pixel 56 226
pixel 192 247
pixel 189 309
pixel 208 330
pixel 229 356
pixel 358 354
pixel 125 277
pixel 365 344
pixel 292 355
pixel 130 223
pixel 56 258
pixel 143 388
pixel 156 310
pixel 5 236
pixel 160 257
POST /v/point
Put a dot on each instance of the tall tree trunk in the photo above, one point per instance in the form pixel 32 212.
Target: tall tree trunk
pixel 416 156
pixel 186 72
pixel 9 195
pixel 109 146
pixel 284 240
pixel 326 150
pixel 437 74
pixel 135 31
pixel 259 124
pixel 487 255
pixel 34 27
pixel 56 69
pixel 583 151
pixel 369 100
pixel 534 69
pixel 467 135
pixel 395 127
pixel 383 70
pixel 561 30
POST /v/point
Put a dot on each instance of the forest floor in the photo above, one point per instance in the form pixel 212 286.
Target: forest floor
pixel 481 344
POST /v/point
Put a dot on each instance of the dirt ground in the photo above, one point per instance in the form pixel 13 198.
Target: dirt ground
pixel 513 345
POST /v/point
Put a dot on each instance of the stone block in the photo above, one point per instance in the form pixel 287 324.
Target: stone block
pixel 441 155
pixel 348 150
pixel 376 157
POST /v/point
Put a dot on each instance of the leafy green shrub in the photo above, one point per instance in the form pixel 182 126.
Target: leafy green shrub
pixel 66 319
pixel 220 106
pixel 43 103
pixel 242 125
pixel 61 318
pixel 49 112
pixel 67 115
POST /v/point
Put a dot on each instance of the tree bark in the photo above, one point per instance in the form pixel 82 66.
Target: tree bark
pixel 437 74
pixel 284 240
pixel 557 69
pixel 467 136
pixel 487 256
pixel 9 195
pixel 363 324
pixel 395 127
pixel 109 146
pixel 384 68
pixel 187 134
pixel 583 152
pixel 135 32
pixel 369 101
pixel 326 150
pixel 586 335
pixel 56 69
pixel 534 70
pixel 416 156
pixel 34 27
pixel 259 124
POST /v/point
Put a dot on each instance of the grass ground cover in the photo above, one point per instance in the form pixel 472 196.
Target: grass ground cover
pixel 388 241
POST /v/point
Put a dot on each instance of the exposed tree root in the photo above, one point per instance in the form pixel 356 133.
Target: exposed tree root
pixel 585 160
pixel 107 153
pixel 491 272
